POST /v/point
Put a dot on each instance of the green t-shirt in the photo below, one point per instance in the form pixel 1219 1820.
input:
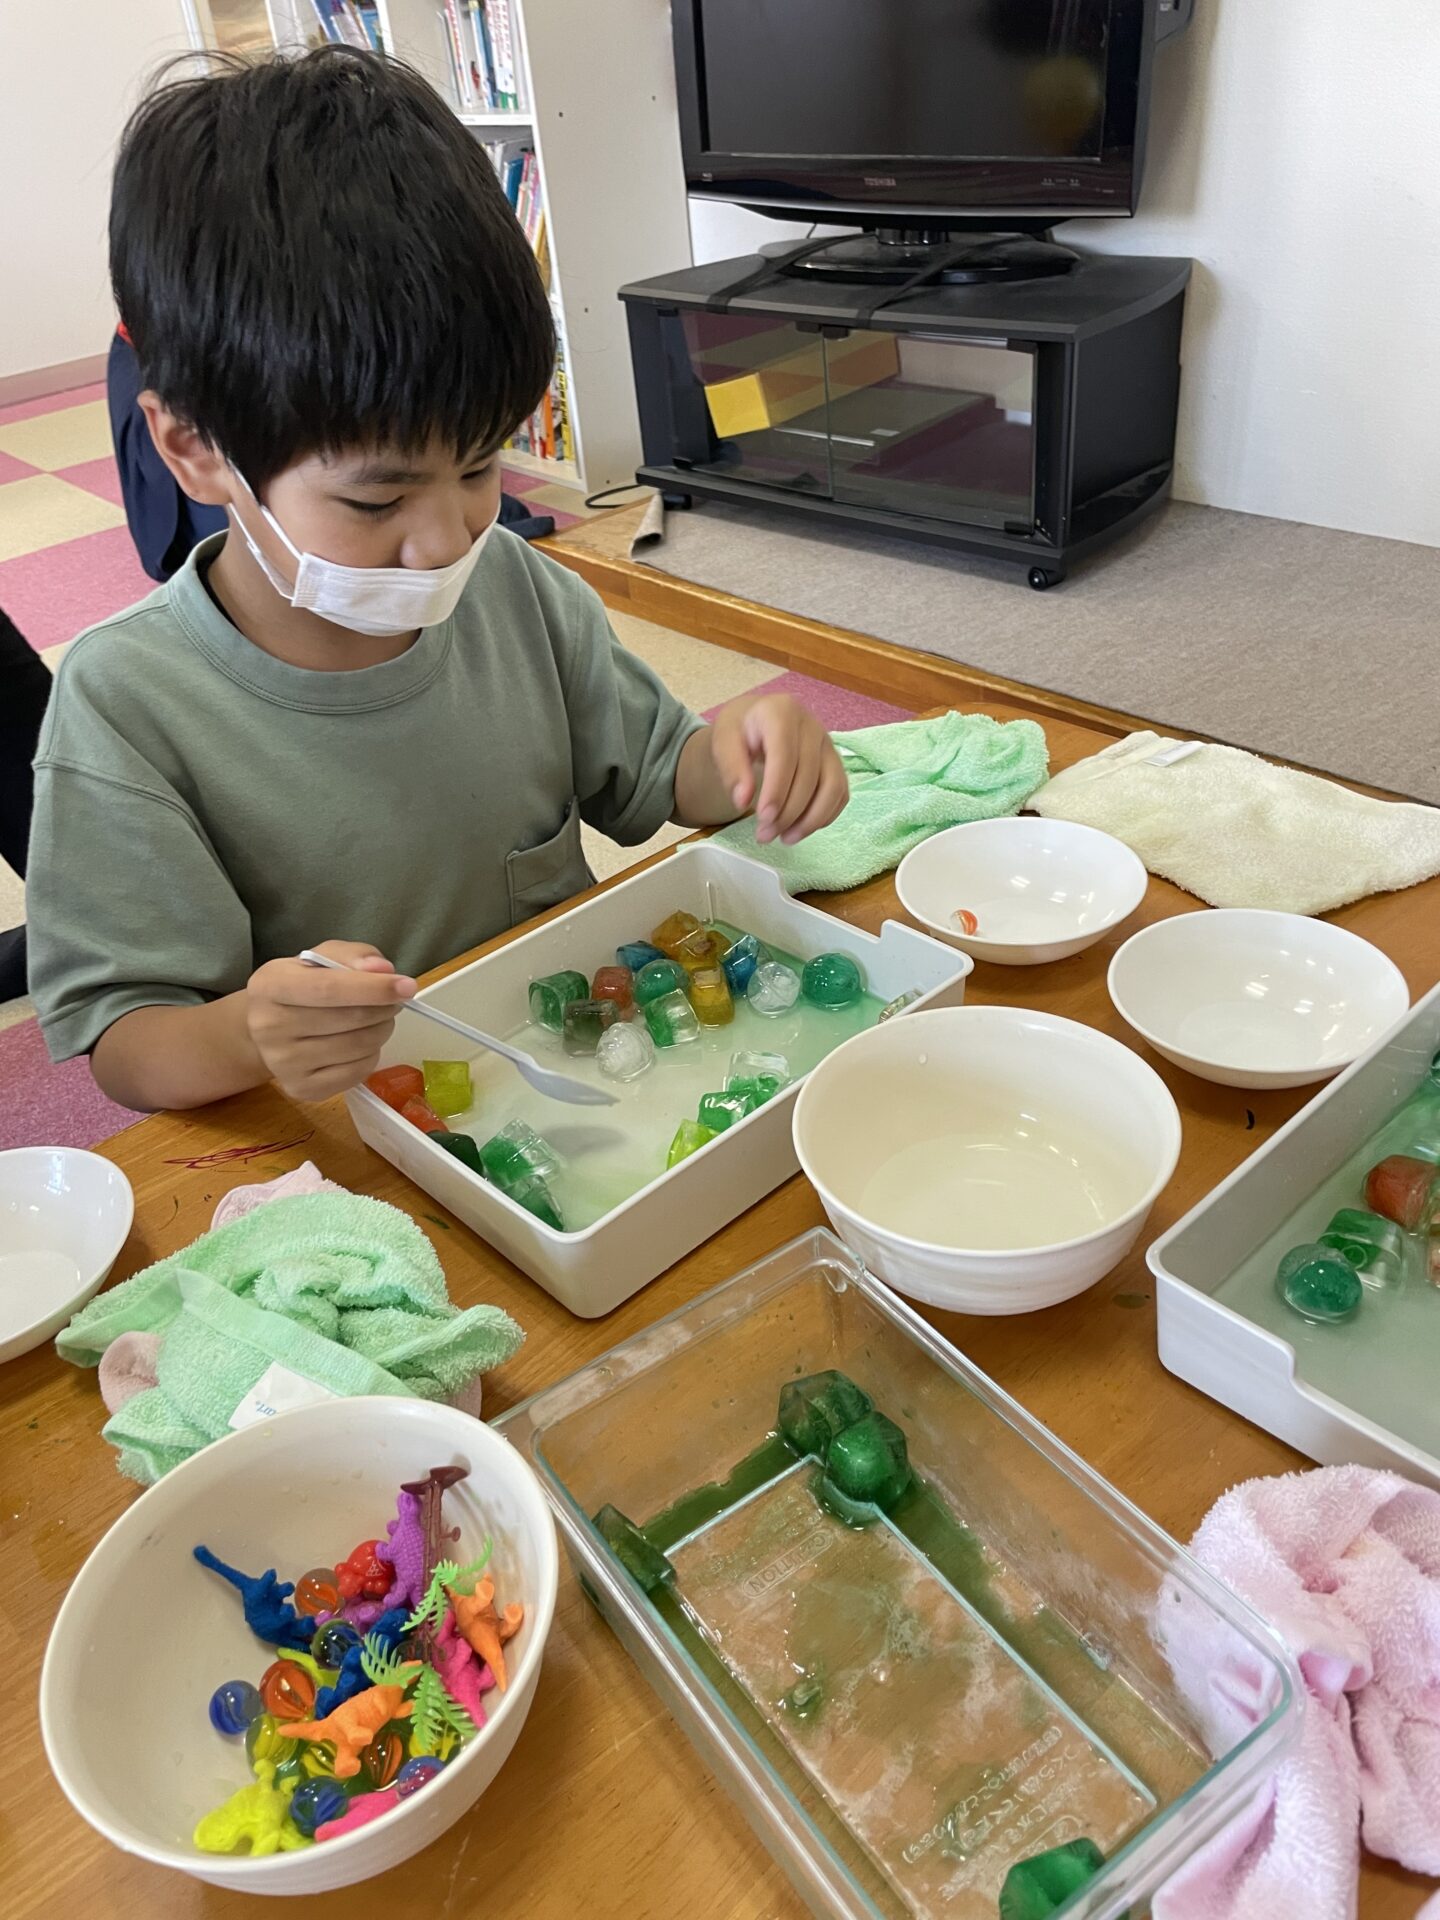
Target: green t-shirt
pixel 201 807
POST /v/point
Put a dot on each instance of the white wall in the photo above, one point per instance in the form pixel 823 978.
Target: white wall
pixel 1294 156
pixel 70 71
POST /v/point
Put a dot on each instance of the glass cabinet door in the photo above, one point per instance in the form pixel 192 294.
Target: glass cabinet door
pixel 930 425
pixel 749 402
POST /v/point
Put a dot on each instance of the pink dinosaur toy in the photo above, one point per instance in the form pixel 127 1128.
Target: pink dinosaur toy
pixel 364 1808
pixel 465 1677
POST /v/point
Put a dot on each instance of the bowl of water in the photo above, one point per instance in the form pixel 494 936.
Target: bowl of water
pixel 987 1159
pixel 64 1216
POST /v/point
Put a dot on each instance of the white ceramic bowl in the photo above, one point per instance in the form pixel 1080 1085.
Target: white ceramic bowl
pixel 64 1216
pixel 1253 999
pixel 146 1634
pixel 1040 889
pixel 987 1159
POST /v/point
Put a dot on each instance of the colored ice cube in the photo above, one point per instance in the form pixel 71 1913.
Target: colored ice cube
pixel 585 1021
pixel 814 1410
pixel 900 1003
pixel 1373 1245
pixel 740 961
pixel 717 1111
pixel 672 931
pixel 423 1117
pixel 832 980
pixel 516 1153
pixel 671 1021
pixel 616 984
pixel 447 1086
pixel 645 1564
pixel 636 954
pixel 396 1085
pixel 869 1461
pixel 1404 1189
pixel 625 1051
pixel 710 997
pixel 550 995
pixel 1319 1284
pixel 535 1196
pixel 1037 1887
pixel 465 1150
pixel 766 1071
pixel 703 948
pixel 774 988
pixel 690 1136
pixel 658 978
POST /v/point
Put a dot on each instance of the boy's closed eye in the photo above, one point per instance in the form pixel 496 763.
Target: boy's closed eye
pixel 376 509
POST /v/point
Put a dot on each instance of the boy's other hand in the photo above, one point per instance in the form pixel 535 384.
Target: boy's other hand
pixel 320 1032
pixel 773 754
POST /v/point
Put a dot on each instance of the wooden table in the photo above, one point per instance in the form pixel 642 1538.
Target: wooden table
pixel 603 1810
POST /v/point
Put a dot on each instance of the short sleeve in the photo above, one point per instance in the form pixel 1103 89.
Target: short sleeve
pixel 127 906
pixel 626 727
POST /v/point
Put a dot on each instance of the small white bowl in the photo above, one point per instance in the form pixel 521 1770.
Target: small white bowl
pixel 64 1216
pixel 146 1634
pixel 987 1159
pixel 1039 889
pixel 1255 999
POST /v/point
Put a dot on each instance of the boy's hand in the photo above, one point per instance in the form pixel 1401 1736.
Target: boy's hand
pixel 319 1032
pixel 774 754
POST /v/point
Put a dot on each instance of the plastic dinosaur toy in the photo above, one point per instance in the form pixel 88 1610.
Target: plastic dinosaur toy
pixel 352 1725
pixel 266 1601
pixel 466 1679
pixel 446 1574
pixel 386 1634
pixel 484 1628
pixel 364 1808
pixel 418 1534
pixel 258 1814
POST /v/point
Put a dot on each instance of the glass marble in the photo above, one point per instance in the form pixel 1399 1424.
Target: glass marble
pixel 448 1089
pixel 616 984
pixel 264 1740
pixel 690 1136
pixel 719 1111
pixel 465 1149
pixel 774 988
pixel 417 1773
pixel 287 1691
pixel 422 1116
pixel 657 979
pixel 672 931
pixel 814 1410
pixel 1319 1284
pixel 832 980
pixel 396 1085
pixel 1373 1245
pixel 740 961
pixel 626 1051
pixel 899 1003
pixel 585 1021
pixel 710 997
pixel 317 1802
pixel 333 1641
pixel 552 993
pixel 317 1592
pixel 1037 1887
pixel 233 1706
pixel 671 1021
pixel 644 1563
pixel 382 1759
pixel 636 954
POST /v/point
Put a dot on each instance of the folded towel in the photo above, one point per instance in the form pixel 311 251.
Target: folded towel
pixel 907 781
pixel 341 1290
pixel 306 1178
pixel 1344 1563
pixel 1239 832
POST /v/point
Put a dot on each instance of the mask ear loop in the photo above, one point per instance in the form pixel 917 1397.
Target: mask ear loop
pixel 268 517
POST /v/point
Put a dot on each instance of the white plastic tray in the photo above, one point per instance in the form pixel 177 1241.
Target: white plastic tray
pixel 593 1270
pixel 1245 1366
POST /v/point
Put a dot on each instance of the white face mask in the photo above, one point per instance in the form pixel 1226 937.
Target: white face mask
pixel 375 601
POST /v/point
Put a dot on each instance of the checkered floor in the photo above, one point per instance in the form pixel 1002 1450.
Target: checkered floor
pixel 66 561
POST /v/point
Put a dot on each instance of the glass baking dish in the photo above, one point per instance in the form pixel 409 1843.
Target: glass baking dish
pixel 904 1703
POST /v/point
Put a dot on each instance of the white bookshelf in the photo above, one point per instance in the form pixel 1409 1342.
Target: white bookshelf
pixel 599 83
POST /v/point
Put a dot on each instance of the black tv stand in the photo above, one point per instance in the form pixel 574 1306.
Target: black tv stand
pixel 892 256
pixel 1028 420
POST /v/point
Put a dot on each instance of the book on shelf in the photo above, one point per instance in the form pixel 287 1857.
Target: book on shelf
pixel 350 23
pixel 546 435
pixel 482 43
pixel 518 171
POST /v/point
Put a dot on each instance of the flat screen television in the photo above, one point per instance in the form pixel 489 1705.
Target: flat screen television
pixel 929 114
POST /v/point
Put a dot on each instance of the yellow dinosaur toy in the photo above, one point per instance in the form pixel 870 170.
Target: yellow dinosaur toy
pixel 259 1814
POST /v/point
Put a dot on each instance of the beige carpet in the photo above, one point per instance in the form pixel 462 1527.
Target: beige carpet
pixel 1313 646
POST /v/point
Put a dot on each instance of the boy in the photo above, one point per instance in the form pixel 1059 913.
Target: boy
pixel 364 715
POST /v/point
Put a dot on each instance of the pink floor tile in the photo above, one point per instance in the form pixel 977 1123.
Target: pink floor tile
pixel 53 594
pixel 47 1106
pixel 51 403
pixel 100 476
pixel 13 469
pixel 520 483
pixel 840 709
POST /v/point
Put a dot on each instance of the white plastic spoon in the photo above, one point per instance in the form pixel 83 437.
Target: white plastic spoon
pixel 556 1086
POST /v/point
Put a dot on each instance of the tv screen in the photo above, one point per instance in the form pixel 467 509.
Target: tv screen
pixel 905 78
pixel 926 109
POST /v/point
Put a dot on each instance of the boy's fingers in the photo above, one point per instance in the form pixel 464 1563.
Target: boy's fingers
pixel 780 757
pixel 292 984
pixel 328 1022
pixel 829 802
pixel 731 754
pixel 358 954
pixel 803 786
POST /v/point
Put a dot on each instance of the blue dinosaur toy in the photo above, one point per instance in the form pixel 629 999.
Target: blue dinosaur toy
pixel 266 1600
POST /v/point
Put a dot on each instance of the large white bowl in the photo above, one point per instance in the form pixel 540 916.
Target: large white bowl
pixel 987 1159
pixel 1040 889
pixel 1254 999
pixel 64 1216
pixel 146 1634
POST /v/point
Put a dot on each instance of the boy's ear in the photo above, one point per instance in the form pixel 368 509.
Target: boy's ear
pixel 200 470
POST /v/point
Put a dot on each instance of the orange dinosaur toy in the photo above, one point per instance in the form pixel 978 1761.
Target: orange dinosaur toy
pixel 356 1721
pixel 484 1628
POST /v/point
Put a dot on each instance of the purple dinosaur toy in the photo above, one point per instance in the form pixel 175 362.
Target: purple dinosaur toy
pixel 465 1677
pixel 405 1550
pixel 266 1601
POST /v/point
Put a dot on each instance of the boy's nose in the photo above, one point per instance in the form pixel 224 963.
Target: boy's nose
pixel 440 543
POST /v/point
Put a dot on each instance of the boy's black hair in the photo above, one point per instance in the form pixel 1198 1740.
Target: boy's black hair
pixel 310 254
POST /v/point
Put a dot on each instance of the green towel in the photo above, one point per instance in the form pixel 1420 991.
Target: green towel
pixel 340 1289
pixel 907 781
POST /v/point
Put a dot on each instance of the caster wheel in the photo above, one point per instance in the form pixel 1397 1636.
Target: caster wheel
pixel 677 502
pixel 1043 578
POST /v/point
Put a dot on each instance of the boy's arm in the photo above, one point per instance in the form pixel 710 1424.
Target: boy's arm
pixel 765 751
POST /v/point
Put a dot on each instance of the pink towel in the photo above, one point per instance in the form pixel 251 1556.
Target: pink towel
pixel 242 1200
pixel 1344 1563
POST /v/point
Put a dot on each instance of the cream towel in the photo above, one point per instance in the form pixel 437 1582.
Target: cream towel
pixel 1239 832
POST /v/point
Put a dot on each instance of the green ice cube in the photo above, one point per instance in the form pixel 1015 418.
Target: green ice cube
pixel 814 1410
pixel 1036 1887
pixel 645 1564
pixel 869 1461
